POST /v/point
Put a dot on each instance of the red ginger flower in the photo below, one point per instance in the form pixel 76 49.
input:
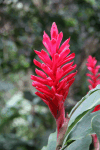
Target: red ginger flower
pixel 55 80
pixel 91 65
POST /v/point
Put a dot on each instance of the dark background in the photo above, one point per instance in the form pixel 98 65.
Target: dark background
pixel 25 121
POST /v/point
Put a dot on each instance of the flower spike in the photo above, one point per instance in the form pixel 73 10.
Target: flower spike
pixel 54 77
pixel 91 66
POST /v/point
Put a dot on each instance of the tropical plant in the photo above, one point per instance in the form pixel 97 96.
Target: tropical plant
pixel 74 130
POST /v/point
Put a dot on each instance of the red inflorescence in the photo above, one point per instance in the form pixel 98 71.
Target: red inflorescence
pixel 55 80
pixel 94 81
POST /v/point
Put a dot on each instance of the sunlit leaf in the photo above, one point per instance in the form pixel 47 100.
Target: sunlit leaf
pixel 80 144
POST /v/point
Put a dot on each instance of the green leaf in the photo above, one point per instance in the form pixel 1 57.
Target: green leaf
pixel 87 102
pixel 51 142
pixel 83 127
pixel 73 124
pixel 81 144
pixel 85 105
pixel 96 125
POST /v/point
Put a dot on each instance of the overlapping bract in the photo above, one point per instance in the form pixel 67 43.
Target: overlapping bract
pixel 91 66
pixel 54 79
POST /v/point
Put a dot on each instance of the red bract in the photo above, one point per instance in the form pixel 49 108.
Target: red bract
pixel 96 108
pixel 55 80
pixel 91 65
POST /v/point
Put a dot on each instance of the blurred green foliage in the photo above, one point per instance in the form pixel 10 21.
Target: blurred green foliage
pixel 22 24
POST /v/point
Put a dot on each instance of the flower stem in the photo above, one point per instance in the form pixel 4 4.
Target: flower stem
pixel 96 142
pixel 62 131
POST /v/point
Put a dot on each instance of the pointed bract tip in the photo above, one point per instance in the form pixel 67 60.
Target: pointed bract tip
pixel 34 61
pixel 33 84
pixel 54 24
pixel 44 33
pixel 35 50
pixel 61 33
pixel 74 65
pixel 68 39
pixel 54 31
pixel 31 77
pixel 54 27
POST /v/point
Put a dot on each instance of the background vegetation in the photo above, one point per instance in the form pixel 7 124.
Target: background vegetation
pixel 25 121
